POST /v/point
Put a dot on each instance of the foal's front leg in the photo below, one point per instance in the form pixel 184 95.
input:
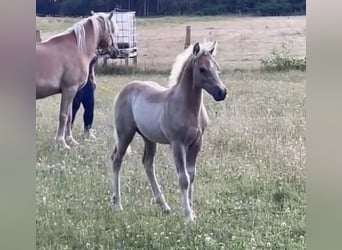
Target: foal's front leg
pixel 191 156
pixel 179 154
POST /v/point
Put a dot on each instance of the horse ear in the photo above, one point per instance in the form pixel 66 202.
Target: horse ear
pixel 213 49
pixel 111 14
pixel 196 49
pixel 92 12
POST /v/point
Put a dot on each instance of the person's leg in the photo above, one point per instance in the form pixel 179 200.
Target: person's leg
pixel 88 104
pixel 76 103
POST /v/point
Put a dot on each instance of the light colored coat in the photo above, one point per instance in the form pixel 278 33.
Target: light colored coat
pixel 175 115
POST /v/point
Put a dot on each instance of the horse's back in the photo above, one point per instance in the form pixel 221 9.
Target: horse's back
pixel 144 86
pixel 56 70
pixel 149 90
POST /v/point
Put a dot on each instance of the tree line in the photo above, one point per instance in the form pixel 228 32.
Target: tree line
pixel 172 7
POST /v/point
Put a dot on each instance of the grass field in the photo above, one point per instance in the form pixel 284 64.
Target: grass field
pixel 250 183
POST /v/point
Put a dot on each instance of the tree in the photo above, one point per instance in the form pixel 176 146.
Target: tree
pixel 72 8
pixel 172 7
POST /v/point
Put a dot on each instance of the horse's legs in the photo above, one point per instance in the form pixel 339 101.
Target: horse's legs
pixel 68 133
pixel 123 138
pixel 66 101
pixel 191 157
pixel 179 154
pixel 149 152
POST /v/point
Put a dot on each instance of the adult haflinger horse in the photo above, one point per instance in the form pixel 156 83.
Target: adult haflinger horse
pixel 62 63
pixel 174 115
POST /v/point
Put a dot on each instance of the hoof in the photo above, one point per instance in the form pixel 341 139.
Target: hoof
pixel 166 209
pixel 71 140
pixel 61 142
pixel 116 207
pixel 190 218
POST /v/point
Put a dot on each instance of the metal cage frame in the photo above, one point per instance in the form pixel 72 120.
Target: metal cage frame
pixel 126 38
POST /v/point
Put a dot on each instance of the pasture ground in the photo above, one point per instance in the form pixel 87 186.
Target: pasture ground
pixel 250 183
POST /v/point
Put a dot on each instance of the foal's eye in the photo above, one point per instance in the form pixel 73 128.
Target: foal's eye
pixel 202 70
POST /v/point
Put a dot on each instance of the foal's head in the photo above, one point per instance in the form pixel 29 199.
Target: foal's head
pixel 205 71
pixel 109 30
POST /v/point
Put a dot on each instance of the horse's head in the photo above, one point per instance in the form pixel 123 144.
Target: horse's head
pixel 106 43
pixel 205 71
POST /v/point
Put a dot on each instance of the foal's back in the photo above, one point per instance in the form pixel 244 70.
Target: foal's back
pixel 140 105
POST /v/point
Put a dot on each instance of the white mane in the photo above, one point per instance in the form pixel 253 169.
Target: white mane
pixel 79 30
pixel 183 57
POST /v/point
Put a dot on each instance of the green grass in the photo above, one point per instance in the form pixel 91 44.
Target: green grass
pixel 249 188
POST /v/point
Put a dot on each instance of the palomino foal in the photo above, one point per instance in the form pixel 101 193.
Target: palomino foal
pixel 62 63
pixel 174 115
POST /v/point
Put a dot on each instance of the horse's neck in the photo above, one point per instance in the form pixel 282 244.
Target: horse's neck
pixel 188 92
pixel 91 42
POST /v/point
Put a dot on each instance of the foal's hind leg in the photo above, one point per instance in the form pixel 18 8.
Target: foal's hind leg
pixel 149 152
pixel 123 138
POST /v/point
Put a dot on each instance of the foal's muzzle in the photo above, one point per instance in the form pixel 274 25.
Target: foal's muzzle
pixel 219 94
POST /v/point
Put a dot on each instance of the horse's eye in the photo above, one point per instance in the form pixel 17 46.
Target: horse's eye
pixel 202 70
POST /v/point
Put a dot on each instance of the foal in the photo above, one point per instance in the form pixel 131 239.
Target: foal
pixel 174 115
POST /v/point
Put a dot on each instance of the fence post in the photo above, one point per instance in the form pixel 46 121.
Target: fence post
pixel 38 38
pixel 187 37
pixel 135 61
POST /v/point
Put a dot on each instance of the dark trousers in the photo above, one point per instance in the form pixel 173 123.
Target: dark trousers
pixel 86 97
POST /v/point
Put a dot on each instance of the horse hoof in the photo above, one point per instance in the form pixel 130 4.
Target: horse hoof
pixel 166 210
pixel 71 140
pixel 61 142
pixel 116 207
pixel 65 146
pixel 190 218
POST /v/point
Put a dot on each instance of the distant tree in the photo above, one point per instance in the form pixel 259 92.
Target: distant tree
pixel 169 7
pixel 72 8
pixel 98 5
pixel 172 7
pixel 47 7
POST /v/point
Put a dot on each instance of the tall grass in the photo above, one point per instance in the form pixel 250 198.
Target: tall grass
pixel 249 189
pixel 283 61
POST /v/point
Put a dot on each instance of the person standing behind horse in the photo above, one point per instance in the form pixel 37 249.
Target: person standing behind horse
pixel 85 95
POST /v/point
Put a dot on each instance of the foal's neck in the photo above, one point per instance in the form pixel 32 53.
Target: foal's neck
pixel 189 93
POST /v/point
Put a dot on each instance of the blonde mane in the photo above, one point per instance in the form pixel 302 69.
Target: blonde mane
pixel 79 30
pixel 183 58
